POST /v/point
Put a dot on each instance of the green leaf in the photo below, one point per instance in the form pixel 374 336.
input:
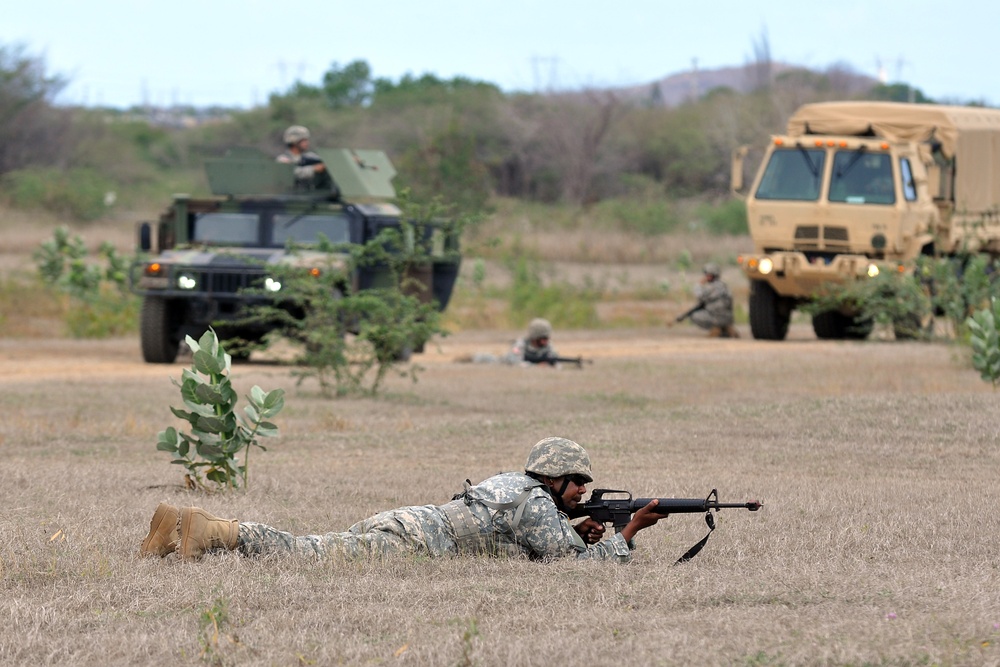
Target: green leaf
pixel 210 394
pixel 213 424
pixel 274 401
pixel 207 364
pixel 187 416
pixel 209 451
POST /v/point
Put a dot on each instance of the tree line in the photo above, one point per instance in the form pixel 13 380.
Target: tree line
pixel 460 139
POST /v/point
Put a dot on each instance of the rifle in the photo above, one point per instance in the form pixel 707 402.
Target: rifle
pixel 688 313
pixel 577 361
pixel 618 511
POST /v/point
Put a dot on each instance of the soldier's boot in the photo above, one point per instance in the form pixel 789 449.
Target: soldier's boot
pixel 731 332
pixel 163 537
pixel 715 332
pixel 201 532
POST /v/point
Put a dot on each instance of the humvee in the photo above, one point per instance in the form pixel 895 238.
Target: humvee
pixel 208 260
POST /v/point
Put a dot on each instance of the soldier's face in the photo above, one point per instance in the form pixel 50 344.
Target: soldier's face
pixel 574 491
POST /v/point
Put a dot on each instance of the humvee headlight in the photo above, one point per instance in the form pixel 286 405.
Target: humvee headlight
pixel 154 269
pixel 765 266
pixel 271 285
pixel 185 281
pixel 872 270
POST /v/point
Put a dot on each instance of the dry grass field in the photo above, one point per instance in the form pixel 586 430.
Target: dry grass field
pixel 877 545
pixel 876 461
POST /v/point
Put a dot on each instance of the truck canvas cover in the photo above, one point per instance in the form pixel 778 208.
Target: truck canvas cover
pixel 969 135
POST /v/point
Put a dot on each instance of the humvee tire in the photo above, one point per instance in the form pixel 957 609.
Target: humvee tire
pixel 156 330
pixel 769 313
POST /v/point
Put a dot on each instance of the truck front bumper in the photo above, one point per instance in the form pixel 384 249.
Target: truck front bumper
pixel 792 274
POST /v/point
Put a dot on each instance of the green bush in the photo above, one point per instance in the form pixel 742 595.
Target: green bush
pixel 891 298
pixel 729 218
pixel 560 303
pixel 81 194
pixel 219 434
pixel 99 303
pixel 984 336
pixel 650 217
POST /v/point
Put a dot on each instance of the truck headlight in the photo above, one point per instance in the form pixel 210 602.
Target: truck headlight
pixel 872 270
pixel 271 285
pixel 765 266
pixel 186 281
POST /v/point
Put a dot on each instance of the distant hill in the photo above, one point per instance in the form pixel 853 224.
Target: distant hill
pixel 691 85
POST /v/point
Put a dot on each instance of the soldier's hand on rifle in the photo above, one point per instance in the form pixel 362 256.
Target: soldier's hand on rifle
pixel 591 531
pixel 642 519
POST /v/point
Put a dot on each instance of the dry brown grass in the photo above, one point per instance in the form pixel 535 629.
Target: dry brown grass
pixel 877 543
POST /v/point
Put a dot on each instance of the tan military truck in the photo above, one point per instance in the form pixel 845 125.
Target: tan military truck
pixel 855 188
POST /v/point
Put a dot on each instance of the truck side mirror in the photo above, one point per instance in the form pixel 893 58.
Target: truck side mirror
pixel 144 238
pixel 736 171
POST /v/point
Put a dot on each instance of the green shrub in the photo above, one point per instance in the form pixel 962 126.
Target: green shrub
pixel 218 433
pixel 984 336
pixel 81 194
pixel 560 303
pixel 99 303
pixel 891 298
pixel 730 217
pixel 648 216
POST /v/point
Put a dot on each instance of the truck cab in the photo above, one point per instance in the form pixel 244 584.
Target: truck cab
pixel 853 189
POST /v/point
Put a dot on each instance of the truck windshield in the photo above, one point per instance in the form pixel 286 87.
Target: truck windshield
pixel 226 229
pixel 794 173
pixel 861 177
pixel 307 228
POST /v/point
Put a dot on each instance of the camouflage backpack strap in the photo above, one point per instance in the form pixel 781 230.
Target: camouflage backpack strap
pixel 518 502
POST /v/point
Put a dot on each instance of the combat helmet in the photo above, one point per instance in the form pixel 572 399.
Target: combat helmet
pixel 557 457
pixel 295 134
pixel 539 328
pixel 712 269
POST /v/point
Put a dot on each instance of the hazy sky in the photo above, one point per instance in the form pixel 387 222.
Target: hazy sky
pixel 235 53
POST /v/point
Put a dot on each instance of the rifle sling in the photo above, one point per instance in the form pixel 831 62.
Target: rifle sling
pixel 693 551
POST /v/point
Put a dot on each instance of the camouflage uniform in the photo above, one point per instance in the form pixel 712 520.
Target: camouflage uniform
pixel 524 350
pixel 509 513
pixel 303 172
pixel 718 305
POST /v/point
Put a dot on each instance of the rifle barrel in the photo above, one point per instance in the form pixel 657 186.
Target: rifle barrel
pixel 685 505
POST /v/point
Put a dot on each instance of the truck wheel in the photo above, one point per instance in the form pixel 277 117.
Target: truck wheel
pixel 831 325
pixel 908 327
pixel 769 313
pixel 156 331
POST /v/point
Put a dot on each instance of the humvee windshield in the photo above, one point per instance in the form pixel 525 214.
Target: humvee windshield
pixel 794 174
pixel 307 228
pixel 226 229
pixel 244 229
pixel 860 177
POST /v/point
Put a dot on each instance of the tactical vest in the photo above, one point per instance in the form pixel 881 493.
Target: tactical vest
pixel 469 532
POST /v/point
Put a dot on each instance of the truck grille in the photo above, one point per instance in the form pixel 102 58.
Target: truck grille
pixel 807 237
